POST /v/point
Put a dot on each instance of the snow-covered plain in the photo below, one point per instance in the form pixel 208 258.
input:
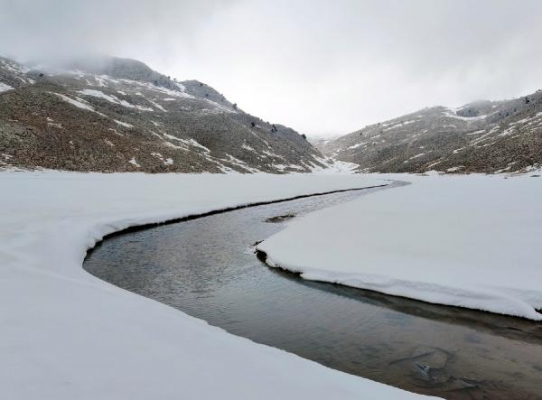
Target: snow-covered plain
pixel 469 241
pixel 67 335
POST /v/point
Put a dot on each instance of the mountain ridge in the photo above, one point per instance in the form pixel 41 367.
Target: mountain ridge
pixel 119 115
pixel 481 136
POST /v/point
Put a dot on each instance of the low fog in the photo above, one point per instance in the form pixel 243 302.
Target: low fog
pixel 325 68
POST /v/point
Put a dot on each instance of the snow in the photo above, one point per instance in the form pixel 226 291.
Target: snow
pixel 220 107
pixel 247 147
pixel 458 150
pixel 414 157
pixel 166 161
pixel 398 125
pixel 434 163
pixel 68 335
pixel 335 167
pixel 134 162
pixel 281 167
pixel 125 124
pixel 181 87
pixel 77 103
pixel 451 113
pixel 174 146
pixel 235 161
pixel 158 89
pixel 195 143
pixel 115 131
pixel 469 241
pixel 156 105
pixel 112 99
pixel 271 154
pixel 101 80
pixel 355 146
pixel 4 87
pixel 187 142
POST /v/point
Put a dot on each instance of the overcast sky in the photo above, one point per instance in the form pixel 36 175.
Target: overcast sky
pixel 322 67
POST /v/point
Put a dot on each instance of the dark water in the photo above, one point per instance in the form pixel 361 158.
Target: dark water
pixel 206 268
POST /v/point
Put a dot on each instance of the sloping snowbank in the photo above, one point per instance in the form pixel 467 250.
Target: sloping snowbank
pixel 469 241
pixel 67 335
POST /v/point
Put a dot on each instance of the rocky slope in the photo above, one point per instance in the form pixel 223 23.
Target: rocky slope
pixel 113 114
pixel 483 136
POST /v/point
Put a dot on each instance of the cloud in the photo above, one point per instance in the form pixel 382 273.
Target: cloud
pixel 322 67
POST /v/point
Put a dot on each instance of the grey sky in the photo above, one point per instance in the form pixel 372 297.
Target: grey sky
pixel 321 67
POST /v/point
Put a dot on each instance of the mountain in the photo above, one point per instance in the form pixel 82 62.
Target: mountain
pixel 483 136
pixel 113 115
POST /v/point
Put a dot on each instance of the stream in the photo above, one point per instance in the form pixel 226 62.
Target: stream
pixel 206 267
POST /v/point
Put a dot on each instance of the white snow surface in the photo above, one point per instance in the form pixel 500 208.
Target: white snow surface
pixel 112 99
pixel 335 167
pixel 134 162
pixel 125 124
pixel 4 87
pixel 77 103
pixel 469 241
pixel 68 335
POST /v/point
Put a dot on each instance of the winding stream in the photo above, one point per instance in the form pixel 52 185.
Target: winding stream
pixel 206 268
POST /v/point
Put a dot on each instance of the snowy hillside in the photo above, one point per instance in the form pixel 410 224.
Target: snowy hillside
pixel 483 136
pixel 119 115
